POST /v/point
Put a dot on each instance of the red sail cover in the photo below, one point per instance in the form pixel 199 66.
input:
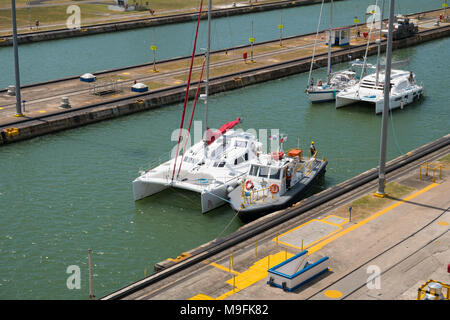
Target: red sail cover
pixel 212 136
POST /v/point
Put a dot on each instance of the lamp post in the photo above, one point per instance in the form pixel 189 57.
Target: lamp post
pixel 16 60
pixel 153 48
pixel 387 89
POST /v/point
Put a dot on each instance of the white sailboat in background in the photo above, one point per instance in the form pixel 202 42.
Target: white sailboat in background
pixel 326 91
pixel 210 167
pixel 370 89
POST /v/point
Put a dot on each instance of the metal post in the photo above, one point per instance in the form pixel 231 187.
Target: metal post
pixel 208 50
pixel 281 29
pixel 16 60
pixel 350 213
pixel 387 89
pixel 91 290
pixel 329 42
pixel 251 45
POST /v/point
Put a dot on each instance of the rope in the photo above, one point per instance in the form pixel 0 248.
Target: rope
pixel 187 88
pixel 315 42
pixel 235 215
pixel 394 133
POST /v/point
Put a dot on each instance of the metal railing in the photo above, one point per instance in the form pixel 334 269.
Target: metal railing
pixel 427 166
pixel 421 292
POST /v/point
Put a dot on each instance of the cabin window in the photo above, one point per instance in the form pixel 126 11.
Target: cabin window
pixel 274 173
pixel 240 144
pixel 264 172
pixel 254 170
pixel 222 164
pixel 246 156
pixel 239 160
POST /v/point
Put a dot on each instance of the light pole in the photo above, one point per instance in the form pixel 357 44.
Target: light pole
pixel 16 60
pixel 387 88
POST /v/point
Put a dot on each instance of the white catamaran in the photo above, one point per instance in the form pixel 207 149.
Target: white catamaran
pixel 370 89
pixel 210 167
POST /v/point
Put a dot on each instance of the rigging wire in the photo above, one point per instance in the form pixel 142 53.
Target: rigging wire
pixel 192 117
pixel 367 50
pixel 315 42
pixel 394 133
pixel 187 88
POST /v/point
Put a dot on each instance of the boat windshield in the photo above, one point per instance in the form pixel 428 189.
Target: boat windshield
pixel 264 172
pixel 275 173
pixel 240 144
pixel 254 170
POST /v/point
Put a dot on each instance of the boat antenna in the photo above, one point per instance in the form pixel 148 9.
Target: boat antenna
pixel 208 50
pixel 387 89
pixel 315 43
pixel 379 44
pixel 329 43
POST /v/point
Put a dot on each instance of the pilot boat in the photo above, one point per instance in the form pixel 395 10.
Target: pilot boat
pixel 275 181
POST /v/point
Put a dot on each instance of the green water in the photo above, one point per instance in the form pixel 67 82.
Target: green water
pixel 63 193
pixel 44 61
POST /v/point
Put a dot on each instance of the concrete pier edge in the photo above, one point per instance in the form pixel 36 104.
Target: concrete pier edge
pixel 148 22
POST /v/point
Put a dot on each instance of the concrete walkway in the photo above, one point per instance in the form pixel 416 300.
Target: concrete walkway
pixel 385 254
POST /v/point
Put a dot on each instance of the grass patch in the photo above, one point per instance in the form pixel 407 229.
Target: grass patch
pixel 153 85
pixel 445 161
pixel 369 204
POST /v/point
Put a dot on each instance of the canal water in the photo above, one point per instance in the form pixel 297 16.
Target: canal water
pixel 44 61
pixel 64 193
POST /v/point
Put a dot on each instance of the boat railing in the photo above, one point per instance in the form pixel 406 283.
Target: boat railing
pixel 254 195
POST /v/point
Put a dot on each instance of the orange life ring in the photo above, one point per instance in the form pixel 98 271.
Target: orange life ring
pixel 274 188
pixel 249 185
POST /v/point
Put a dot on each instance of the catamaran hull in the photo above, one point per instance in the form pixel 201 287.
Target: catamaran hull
pixel 299 192
pixel 211 198
pixel 394 103
pixel 322 96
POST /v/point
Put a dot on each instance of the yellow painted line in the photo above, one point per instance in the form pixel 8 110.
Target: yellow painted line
pixel 223 268
pixel 42 111
pixel 345 220
pixel 255 273
pixel 333 294
pixel 125 73
pixel 276 239
pixel 374 216
pixel 201 297
pixel 1 108
pixel 443 223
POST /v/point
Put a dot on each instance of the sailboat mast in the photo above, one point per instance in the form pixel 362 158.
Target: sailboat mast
pixel 208 50
pixel 329 41
pixel 379 44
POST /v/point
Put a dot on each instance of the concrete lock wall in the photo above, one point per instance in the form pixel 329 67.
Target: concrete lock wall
pixel 158 98
pixel 156 21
